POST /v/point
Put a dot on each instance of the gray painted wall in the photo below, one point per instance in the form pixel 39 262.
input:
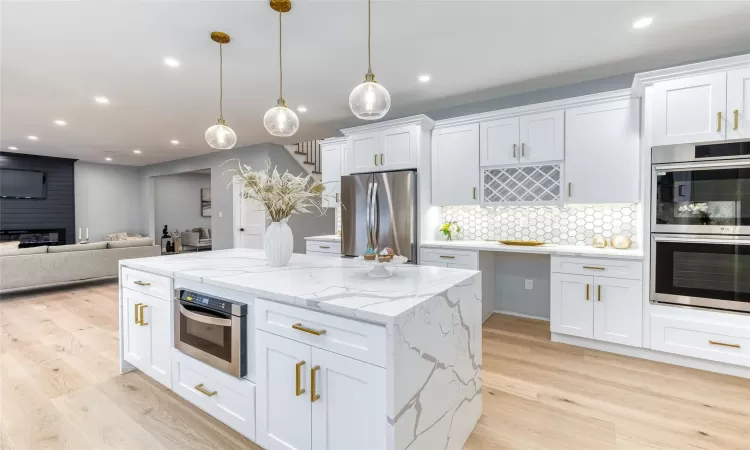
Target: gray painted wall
pixel 108 199
pixel 511 272
pixel 177 201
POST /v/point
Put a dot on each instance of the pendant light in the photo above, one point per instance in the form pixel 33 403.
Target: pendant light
pixel 220 135
pixel 280 120
pixel 369 100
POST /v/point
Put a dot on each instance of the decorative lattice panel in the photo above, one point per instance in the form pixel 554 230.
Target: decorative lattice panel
pixel 522 185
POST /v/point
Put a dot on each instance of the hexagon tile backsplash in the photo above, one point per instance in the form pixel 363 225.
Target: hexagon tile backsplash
pixel 571 224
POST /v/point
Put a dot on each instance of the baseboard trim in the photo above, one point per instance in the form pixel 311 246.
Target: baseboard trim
pixel 56 285
pixel 526 316
pixel 653 355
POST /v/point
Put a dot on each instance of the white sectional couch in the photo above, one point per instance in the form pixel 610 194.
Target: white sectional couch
pixel 35 267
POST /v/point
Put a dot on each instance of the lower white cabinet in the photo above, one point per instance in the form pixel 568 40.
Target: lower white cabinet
pixel 618 311
pixel 571 308
pixel 147 334
pixel 323 248
pixel 309 398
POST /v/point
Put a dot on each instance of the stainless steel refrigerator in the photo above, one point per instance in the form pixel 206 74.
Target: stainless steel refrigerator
pixel 379 210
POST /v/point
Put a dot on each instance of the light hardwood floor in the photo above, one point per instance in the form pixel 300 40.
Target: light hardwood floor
pixel 60 389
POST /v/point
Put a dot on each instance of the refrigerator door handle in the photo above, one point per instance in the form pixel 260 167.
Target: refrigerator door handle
pixel 368 224
pixel 376 214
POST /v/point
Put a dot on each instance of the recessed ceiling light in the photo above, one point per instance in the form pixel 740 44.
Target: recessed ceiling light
pixel 108 158
pixel 61 123
pixel 101 100
pixel 302 108
pixel 171 62
pixel 643 22
pixel 424 78
pixel 137 151
pixel 32 138
pixel 174 142
pixel 12 148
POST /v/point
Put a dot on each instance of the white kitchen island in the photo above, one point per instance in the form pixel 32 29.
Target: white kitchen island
pixel 399 366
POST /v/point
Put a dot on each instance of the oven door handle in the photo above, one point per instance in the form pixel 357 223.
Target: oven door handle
pixel 700 240
pixel 205 318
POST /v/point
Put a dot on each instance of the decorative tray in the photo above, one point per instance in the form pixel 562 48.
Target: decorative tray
pixel 523 243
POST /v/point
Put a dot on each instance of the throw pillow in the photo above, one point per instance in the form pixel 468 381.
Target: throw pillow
pixel 10 251
pixel 140 242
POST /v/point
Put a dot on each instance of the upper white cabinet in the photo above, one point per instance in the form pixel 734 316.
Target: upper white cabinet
pixel 531 138
pixel 499 141
pixel 398 148
pixel 690 109
pixel 362 152
pixel 331 168
pixel 738 104
pixel 455 165
pixel 602 152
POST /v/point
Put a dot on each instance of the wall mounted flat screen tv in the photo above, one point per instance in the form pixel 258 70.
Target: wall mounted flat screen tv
pixel 22 184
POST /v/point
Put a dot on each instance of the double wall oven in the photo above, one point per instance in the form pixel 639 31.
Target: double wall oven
pixel 700 226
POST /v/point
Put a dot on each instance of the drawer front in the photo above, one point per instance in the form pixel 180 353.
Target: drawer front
pixel 449 265
pixel 233 402
pixel 464 258
pixel 323 247
pixel 359 340
pixel 714 341
pixel 147 283
pixel 612 268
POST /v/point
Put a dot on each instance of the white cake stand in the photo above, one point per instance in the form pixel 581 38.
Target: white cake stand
pixel 379 269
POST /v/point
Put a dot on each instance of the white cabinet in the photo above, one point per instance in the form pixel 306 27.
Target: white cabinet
pixel 379 151
pixel 323 248
pixel 331 176
pixel 499 141
pixel 542 137
pixel 571 308
pixel 362 152
pixel 617 310
pixel 455 165
pixel 309 398
pixel 738 104
pixel 690 109
pixel 148 334
pixel 602 152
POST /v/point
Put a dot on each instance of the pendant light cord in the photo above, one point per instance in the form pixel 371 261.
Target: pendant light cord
pixel 221 81
pixel 369 64
pixel 281 72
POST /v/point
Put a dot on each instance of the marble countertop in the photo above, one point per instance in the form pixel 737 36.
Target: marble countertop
pixel 546 249
pixel 327 238
pixel 337 285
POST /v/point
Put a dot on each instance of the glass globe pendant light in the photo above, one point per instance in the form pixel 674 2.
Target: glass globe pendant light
pixel 280 120
pixel 220 135
pixel 369 100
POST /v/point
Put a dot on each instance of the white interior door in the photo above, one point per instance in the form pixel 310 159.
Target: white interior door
pixel 738 104
pixel 249 221
pixel 350 412
pixel 542 137
pixel 617 310
pixel 572 306
pixel 283 416
pixel 331 176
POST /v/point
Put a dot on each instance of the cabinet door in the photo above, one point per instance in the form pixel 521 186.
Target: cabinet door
pixel 455 165
pixel 398 148
pixel 136 337
pixel 362 152
pixel 499 142
pixel 572 306
pixel 331 176
pixel 602 152
pixel 687 110
pixel 350 412
pixel 617 310
pixel 542 137
pixel 738 104
pixel 157 317
pixel 283 417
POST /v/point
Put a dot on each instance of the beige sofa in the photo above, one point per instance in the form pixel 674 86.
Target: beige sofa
pixel 36 267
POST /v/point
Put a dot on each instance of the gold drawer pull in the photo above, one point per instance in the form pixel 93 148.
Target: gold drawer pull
pixel 298 390
pixel 140 309
pixel 736 118
pixel 599 293
pixel 142 283
pixel 203 391
pixel 447 257
pixel 587 291
pixel 313 395
pixel 474 193
pixel 594 268
pixel 298 326
pixel 723 344
pixel 137 313
pixel 718 115
pixel 376 159
pixel 325 246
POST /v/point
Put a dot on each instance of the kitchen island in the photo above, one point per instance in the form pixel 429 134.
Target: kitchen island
pixel 336 359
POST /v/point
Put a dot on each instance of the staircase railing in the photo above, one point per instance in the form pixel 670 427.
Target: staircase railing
pixel 311 151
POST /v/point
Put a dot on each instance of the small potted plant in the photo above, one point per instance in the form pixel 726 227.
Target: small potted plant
pixel 449 229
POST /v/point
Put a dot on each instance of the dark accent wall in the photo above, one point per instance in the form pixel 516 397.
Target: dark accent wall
pixel 55 211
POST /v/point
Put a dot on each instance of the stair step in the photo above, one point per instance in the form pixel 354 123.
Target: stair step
pixel 300 153
pixel 316 172
pixel 308 163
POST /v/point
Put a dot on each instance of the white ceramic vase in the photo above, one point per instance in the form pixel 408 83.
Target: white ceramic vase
pixel 279 243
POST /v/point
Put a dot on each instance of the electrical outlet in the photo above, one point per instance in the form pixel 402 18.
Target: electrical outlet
pixel 221 214
pixel 524 222
pixel 529 284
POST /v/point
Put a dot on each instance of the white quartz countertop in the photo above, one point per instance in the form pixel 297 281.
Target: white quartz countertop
pixel 327 238
pixel 337 285
pixel 546 249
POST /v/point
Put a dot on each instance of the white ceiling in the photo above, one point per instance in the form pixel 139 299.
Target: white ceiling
pixel 56 56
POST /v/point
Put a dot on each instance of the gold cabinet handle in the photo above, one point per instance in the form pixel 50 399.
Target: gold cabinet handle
pixel 300 327
pixel 381 159
pixel 599 293
pixel 142 283
pixel 587 291
pixel 325 246
pixel 141 322
pixel 718 115
pixel 447 257
pixel 313 395
pixel 736 119
pixel 570 189
pixel 337 197
pixel 594 268
pixel 724 344
pixel 376 159
pixel 137 307
pixel 299 390
pixel 203 391
pixel 475 193
pixel 514 150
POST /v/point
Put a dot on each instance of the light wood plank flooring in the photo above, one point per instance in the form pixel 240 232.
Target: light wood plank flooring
pixel 60 389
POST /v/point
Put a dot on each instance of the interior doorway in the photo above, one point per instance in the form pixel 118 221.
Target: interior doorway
pixel 249 220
